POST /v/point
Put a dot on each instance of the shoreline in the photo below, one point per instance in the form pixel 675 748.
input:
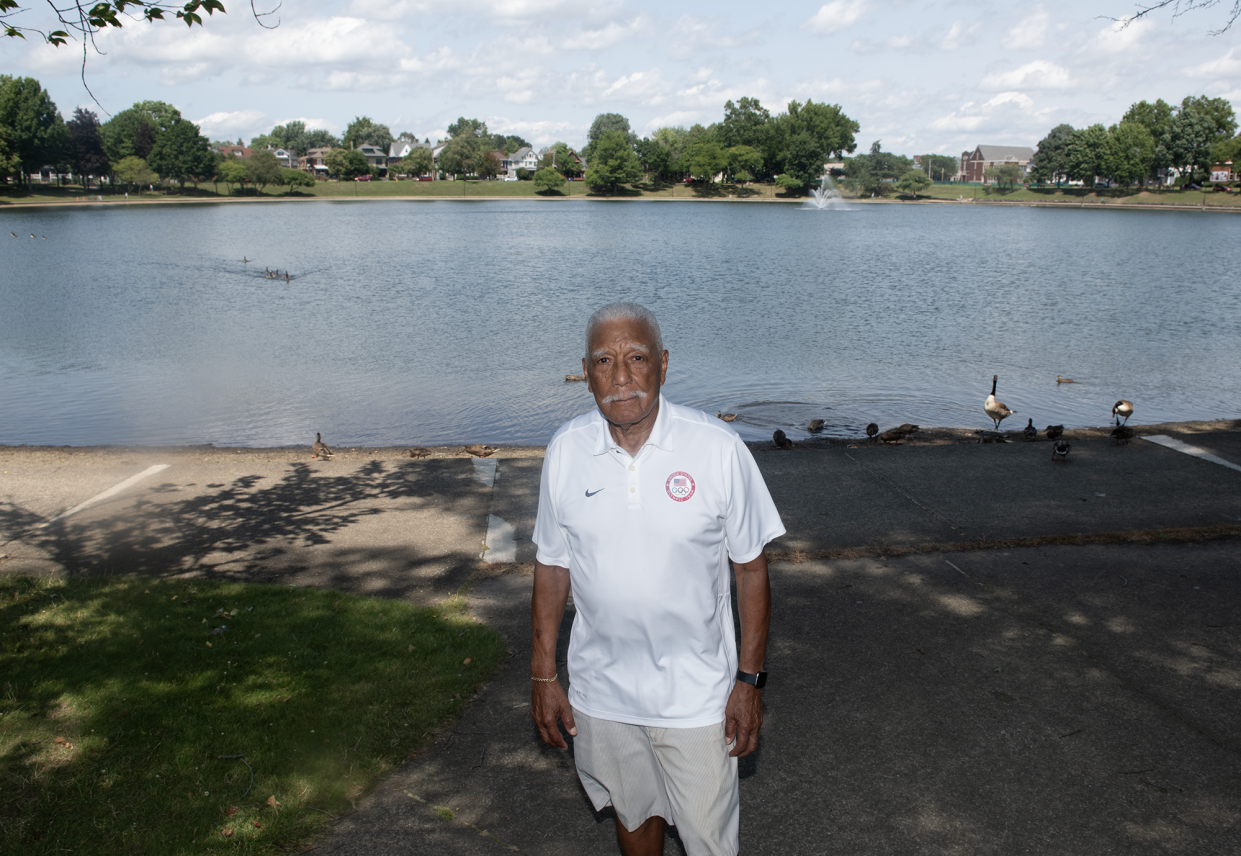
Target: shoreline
pixel 931 436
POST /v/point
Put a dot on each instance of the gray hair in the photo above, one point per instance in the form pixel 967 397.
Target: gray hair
pixel 624 311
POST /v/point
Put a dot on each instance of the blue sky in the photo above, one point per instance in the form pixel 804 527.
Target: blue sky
pixel 923 77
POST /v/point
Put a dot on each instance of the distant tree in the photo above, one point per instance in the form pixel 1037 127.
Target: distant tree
pixel 133 172
pixel 181 154
pixel 232 171
pixel 473 127
pixel 523 174
pixel 418 162
pixel 1198 124
pixel 823 129
pixel 362 131
pixel 1050 161
pixel 1130 153
pixel 264 169
pixel 605 123
pixel 144 140
pixel 614 161
pixel 939 167
pixel 913 182
pixel 37 134
pixel 663 153
pixel 336 162
pixel 873 173
pixel 317 139
pixel 548 179
pixel 1227 150
pixel 355 165
pixel 513 142
pixel 788 182
pixel 559 157
pixel 462 154
pixel 292 178
pixel 1005 175
pixel 1086 154
pixel 85 150
pixel 488 165
pixel 10 163
pixel 120 132
pixel 746 123
pixel 705 160
pixel 744 159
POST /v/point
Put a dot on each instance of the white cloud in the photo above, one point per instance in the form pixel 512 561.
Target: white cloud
pixel 835 16
pixel 239 123
pixel 904 43
pixel 1227 67
pixel 1028 34
pixel 683 118
pixel 1009 116
pixel 959 35
pixel 1039 74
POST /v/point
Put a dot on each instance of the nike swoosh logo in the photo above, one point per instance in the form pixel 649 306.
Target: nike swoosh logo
pixel 589 494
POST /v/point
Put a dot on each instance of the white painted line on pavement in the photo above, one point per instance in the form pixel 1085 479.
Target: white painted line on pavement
pixel 501 545
pixel 1180 446
pixel 485 470
pixel 112 491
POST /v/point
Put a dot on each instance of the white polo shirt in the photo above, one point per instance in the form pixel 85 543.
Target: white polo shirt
pixel 647 541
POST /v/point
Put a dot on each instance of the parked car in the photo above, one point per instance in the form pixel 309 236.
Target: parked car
pixel 363 178
pixel 424 178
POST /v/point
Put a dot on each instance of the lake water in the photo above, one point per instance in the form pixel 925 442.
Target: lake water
pixel 446 322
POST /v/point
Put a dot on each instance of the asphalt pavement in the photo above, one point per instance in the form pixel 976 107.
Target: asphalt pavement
pixel 974 649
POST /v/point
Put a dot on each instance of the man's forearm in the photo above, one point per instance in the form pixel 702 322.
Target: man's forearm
pixel 754 607
pixel 547 605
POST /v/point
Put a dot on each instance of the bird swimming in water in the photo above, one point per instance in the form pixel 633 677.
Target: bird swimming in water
pixel 1122 434
pixel 871 430
pixel 14 234
pixel 1030 431
pixel 1054 432
pixel 781 440
pixel 320 448
pixel 727 417
pixel 997 410
pixel 1060 380
pixel 244 260
pixel 570 378
pixel 1123 408
pixel 815 426
pixel 1060 451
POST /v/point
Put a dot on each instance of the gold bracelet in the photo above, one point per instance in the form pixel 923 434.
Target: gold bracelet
pixel 550 680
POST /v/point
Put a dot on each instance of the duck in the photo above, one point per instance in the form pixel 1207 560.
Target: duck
pixel 32 234
pixel 997 410
pixel 1123 408
pixel 286 276
pixel 1054 431
pixel 478 450
pixel 815 426
pixel 572 378
pixel 13 234
pixel 892 435
pixel 1060 451
pixel 418 452
pixel 871 430
pixel 1122 434
pixel 991 437
pixel 1030 431
pixel 320 448
pixel 1060 380
pixel 907 428
pixel 244 260
pixel 727 417
pixel 781 440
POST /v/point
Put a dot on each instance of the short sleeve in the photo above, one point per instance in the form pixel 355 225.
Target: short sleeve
pixel 549 538
pixel 751 520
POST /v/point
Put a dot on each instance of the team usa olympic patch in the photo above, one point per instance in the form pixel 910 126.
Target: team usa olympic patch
pixel 680 486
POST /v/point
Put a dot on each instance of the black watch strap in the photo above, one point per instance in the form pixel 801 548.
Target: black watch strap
pixel 757 679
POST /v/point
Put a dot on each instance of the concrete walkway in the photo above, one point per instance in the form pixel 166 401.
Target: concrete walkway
pixel 934 688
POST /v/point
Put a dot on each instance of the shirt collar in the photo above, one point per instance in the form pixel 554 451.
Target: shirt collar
pixel 661 433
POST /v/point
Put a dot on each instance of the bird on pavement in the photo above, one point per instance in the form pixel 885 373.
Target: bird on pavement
pixel 478 450
pixel 997 410
pixel 1030 431
pixel 321 449
pixel 871 430
pixel 781 440
pixel 815 426
pixel 1054 432
pixel 418 452
pixel 1060 380
pixel 1060 451
pixel 1123 408
pixel 727 417
pixel 892 435
pixel 991 437
pixel 1122 434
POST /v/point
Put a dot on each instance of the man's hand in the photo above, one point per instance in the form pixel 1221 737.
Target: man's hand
pixel 743 717
pixel 548 707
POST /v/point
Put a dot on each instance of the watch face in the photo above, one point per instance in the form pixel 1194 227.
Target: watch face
pixel 760 680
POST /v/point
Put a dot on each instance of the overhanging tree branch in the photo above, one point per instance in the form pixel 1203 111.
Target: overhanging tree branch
pixel 1181 7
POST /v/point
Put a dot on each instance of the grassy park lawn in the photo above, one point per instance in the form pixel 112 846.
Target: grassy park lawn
pixel 130 723
pixel 1073 195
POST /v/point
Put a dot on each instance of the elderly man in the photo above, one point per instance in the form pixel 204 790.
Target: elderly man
pixel 641 507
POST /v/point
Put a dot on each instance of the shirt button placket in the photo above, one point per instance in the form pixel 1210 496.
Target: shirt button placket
pixel 634 496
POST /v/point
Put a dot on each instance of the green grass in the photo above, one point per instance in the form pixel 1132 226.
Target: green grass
pixel 118 699
pixel 1075 195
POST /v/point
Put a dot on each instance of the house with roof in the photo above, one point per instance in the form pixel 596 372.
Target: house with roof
pixel 315 162
pixel 524 158
pixel 401 149
pixel 376 157
pixel 236 152
pixel 975 164
pixel 1222 172
pixel 287 159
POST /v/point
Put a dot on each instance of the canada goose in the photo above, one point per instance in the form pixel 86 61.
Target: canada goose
pixel 727 417
pixel 997 410
pixel 1060 380
pixel 569 378
pixel 418 452
pixel 1122 434
pixel 32 234
pixel 478 450
pixel 244 260
pixel 1054 432
pixel 815 426
pixel 871 430
pixel 320 448
pixel 1030 431
pixel 14 234
pixel 286 276
pixel 781 440
pixel 1123 408
pixel 1060 451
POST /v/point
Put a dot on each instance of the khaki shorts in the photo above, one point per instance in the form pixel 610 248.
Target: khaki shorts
pixel 684 775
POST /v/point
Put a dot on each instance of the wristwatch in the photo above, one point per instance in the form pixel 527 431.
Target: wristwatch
pixel 758 680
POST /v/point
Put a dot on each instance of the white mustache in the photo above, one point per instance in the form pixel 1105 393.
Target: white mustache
pixel 624 396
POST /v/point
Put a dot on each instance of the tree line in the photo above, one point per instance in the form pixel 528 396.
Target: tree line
pixel 1149 140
